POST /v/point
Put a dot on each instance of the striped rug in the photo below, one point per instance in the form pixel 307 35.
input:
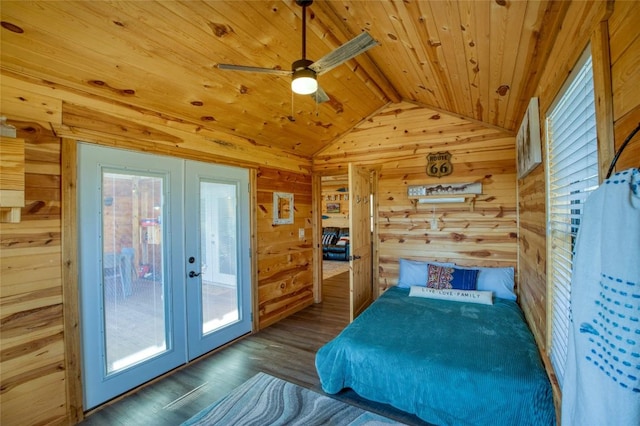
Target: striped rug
pixel 266 400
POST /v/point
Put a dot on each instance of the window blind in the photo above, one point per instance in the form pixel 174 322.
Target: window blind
pixel 572 174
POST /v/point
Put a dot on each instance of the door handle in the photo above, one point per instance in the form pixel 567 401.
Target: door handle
pixel 354 257
pixel 193 274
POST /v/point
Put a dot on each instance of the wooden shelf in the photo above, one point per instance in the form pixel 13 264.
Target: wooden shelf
pixel 11 179
pixel 335 196
pixel 434 200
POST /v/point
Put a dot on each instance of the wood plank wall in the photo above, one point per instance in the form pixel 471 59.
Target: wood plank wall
pixel 624 42
pixel 583 20
pixel 32 354
pixel 38 385
pixel 285 272
pixel 396 143
pixel 32 358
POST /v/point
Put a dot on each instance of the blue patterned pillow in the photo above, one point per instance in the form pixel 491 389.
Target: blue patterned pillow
pixel 442 277
pixel 415 272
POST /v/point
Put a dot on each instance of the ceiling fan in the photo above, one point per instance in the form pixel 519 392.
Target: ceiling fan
pixel 305 72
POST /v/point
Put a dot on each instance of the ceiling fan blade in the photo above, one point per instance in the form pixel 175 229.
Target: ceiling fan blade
pixel 244 68
pixel 320 95
pixel 342 54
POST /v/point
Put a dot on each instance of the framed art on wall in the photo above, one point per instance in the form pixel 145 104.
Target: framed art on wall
pixel 333 207
pixel 282 208
pixel 528 150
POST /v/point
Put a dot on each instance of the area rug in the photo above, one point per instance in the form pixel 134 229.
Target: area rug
pixel 266 400
pixel 331 268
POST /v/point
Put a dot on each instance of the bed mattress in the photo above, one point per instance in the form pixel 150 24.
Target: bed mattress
pixel 449 363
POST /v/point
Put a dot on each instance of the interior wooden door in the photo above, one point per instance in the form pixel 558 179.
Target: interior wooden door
pixel 361 288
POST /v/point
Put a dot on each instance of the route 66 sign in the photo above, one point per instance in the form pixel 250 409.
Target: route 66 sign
pixel 439 164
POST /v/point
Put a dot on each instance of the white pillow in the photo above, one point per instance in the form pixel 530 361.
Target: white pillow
pixel 343 241
pixel 415 272
pixel 470 296
pixel 498 280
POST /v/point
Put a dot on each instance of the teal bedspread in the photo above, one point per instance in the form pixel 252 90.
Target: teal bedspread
pixel 449 363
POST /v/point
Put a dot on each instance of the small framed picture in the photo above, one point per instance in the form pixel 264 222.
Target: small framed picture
pixel 282 208
pixel 333 207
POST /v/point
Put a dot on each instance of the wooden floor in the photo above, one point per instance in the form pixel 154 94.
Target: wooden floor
pixel 286 349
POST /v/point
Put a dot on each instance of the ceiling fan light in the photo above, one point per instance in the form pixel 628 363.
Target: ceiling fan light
pixel 304 82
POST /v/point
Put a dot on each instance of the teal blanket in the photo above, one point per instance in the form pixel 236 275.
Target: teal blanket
pixel 449 363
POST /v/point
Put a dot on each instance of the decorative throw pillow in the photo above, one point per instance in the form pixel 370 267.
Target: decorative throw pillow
pixel 471 296
pixel 498 280
pixel 414 272
pixel 328 239
pixel 343 241
pixel 443 277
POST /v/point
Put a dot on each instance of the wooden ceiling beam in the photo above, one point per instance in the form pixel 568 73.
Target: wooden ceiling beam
pixel 336 30
pixel 540 44
pixel 473 59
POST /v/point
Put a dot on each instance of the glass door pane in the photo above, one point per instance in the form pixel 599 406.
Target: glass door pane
pixel 219 255
pixel 132 278
pixel 132 265
pixel 217 247
pixel 165 273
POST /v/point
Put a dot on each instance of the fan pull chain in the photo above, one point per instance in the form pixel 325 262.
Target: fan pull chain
pixel 291 117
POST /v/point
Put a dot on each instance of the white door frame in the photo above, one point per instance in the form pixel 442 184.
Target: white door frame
pixel 196 173
pixel 92 160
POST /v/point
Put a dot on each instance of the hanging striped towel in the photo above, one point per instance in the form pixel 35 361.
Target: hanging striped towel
pixel 602 375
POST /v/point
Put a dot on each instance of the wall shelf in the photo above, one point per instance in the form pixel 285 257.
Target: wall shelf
pixel 434 200
pixel 335 196
pixel 445 193
pixel 11 179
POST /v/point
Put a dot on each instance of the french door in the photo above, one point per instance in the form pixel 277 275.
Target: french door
pixel 164 264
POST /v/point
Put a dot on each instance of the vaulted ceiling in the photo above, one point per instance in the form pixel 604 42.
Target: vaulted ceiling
pixel 476 59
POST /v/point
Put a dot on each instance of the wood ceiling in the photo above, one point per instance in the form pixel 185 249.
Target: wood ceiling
pixel 476 59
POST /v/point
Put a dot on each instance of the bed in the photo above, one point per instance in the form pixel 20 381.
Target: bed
pixel 448 362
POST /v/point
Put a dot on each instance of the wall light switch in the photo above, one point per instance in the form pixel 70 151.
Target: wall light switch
pixel 301 233
pixel 434 224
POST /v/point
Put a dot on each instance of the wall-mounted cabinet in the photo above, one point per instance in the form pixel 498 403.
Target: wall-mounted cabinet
pixel 11 179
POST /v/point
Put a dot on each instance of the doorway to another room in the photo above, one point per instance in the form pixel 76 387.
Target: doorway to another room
pixel 335 225
pixel 347 213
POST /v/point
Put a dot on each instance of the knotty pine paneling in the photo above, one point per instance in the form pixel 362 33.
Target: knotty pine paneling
pixel 122 125
pixel 31 289
pixel 397 139
pixel 625 73
pixel 396 142
pixel 31 315
pixel 479 59
pixel 285 273
pixel 533 251
pixel 580 23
